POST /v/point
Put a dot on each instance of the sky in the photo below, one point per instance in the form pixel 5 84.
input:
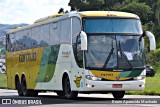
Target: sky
pixel 27 11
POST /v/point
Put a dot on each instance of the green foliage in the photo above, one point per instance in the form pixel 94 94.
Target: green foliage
pixel 138 7
pixel 156 32
pixel 83 5
pixel 3 81
pixel 61 10
pixel 141 9
pixel 153 58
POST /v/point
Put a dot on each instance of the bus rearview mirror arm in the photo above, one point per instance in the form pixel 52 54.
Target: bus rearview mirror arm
pixel 151 39
pixel 83 36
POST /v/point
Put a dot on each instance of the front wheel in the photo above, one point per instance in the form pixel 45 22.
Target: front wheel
pixel 118 94
pixel 67 89
pixel 60 93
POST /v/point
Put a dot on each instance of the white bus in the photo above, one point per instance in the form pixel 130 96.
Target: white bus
pixel 81 52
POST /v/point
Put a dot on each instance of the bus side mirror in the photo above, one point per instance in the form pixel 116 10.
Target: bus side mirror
pixel 151 40
pixel 83 36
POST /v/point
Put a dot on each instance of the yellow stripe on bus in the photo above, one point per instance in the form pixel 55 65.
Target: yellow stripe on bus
pixel 108 75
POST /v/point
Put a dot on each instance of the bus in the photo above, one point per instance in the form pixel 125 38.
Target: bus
pixel 78 52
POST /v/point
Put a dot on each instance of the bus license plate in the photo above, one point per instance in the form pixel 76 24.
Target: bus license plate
pixel 116 85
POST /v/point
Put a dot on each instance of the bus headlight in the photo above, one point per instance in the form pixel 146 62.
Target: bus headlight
pixel 139 78
pixel 89 77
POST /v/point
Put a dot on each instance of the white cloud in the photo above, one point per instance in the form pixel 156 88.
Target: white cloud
pixel 27 11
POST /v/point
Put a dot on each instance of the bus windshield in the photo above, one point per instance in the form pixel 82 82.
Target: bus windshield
pixel 114 48
pixel 102 25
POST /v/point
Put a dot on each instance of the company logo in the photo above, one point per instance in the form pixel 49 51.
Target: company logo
pixel 117 77
pixel 109 74
pixel 77 81
pixel 6 101
pixel 27 57
pixel 21 101
pixel 66 54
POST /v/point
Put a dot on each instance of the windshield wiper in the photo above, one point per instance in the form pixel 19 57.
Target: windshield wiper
pixel 109 56
pixel 124 55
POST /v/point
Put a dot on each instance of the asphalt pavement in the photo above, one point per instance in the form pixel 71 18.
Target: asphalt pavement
pixel 10 98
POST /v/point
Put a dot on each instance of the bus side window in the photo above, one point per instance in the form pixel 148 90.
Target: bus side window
pixel 55 33
pixel 8 44
pixel 79 52
pixel 65 35
pixel 35 38
pixel 44 35
pixel 12 39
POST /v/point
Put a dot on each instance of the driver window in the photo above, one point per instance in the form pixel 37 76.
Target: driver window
pixel 76 43
pixel 79 52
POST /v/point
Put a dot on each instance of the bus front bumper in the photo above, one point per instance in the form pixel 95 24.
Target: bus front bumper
pixel 114 85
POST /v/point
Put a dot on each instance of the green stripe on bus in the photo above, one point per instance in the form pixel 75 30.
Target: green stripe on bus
pixel 48 63
pixel 125 74
pixel 135 73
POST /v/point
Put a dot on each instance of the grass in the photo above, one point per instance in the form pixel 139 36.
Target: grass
pixel 152 86
pixel 3 81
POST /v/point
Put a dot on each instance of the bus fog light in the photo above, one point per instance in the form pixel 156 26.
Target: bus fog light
pixel 139 78
pixel 89 85
pixel 89 77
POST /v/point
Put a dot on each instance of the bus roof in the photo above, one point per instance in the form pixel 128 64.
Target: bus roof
pixel 57 17
pixel 107 14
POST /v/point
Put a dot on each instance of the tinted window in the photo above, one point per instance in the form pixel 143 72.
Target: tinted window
pixel 79 53
pixel 11 42
pixel 44 35
pixel 101 25
pixel 18 41
pixel 76 28
pixel 65 35
pixel 26 40
pixel 35 40
pixel 54 33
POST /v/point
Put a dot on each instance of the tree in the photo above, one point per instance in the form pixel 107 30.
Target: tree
pixel 83 5
pixel 146 9
pixel 110 3
pixel 61 10
pixel 157 11
pixel 141 9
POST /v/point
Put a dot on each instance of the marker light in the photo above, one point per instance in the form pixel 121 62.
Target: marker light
pixel 89 86
pixel 89 77
pixel 139 78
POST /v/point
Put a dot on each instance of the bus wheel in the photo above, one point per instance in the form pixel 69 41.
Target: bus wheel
pixel 67 89
pixel 60 93
pixel 118 94
pixel 33 93
pixel 24 87
pixel 18 87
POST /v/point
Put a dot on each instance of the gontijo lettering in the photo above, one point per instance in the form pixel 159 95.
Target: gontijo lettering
pixel 29 57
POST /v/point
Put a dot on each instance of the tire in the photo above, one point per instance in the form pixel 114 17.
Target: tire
pixel 19 87
pixel 27 92
pixel 24 87
pixel 60 93
pixel 33 93
pixel 118 94
pixel 67 89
